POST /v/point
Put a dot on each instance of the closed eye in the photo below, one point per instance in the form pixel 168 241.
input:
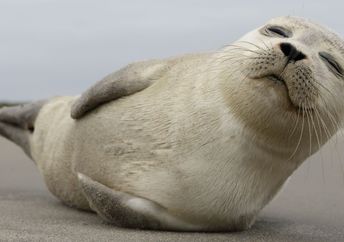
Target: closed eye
pixel 331 63
pixel 278 31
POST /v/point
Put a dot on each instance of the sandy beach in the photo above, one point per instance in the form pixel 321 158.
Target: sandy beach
pixel 309 208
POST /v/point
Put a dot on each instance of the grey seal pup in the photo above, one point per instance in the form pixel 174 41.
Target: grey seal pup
pixel 200 142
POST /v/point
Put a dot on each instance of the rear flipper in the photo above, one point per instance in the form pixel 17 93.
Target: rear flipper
pixel 126 210
pixel 18 123
pixel 16 135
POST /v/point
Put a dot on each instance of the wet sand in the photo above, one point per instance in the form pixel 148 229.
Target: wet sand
pixel 309 208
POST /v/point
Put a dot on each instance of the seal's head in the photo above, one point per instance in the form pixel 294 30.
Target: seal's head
pixel 288 82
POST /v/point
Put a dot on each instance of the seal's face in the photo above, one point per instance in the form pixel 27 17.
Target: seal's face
pixel 290 71
pixel 301 56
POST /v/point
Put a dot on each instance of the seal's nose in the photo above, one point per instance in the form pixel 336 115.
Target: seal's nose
pixel 291 52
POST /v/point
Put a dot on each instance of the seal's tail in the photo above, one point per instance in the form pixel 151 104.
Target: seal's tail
pixel 17 123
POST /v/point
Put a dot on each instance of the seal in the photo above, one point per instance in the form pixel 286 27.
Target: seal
pixel 200 142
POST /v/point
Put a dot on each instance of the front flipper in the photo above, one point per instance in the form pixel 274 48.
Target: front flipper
pixel 127 81
pixel 126 210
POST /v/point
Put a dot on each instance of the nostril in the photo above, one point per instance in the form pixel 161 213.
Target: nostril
pixel 31 128
pixel 299 56
pixel 286 48
pixel 291 52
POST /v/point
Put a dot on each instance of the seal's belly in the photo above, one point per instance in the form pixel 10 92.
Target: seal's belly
pixel 120 134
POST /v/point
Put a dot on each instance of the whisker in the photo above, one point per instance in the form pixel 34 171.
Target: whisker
pixel 258 47
pixel 243 48
pixel 309 131
pixel 296 123
pixel 315 131
pixel 300 137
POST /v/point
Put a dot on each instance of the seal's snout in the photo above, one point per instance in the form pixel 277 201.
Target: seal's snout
pixel 18 123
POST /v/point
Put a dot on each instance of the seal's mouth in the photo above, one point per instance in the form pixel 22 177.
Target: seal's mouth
pixel 279 80
pixel 276 79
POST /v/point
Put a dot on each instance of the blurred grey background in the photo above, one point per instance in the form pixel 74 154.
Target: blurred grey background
pixel 60 47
